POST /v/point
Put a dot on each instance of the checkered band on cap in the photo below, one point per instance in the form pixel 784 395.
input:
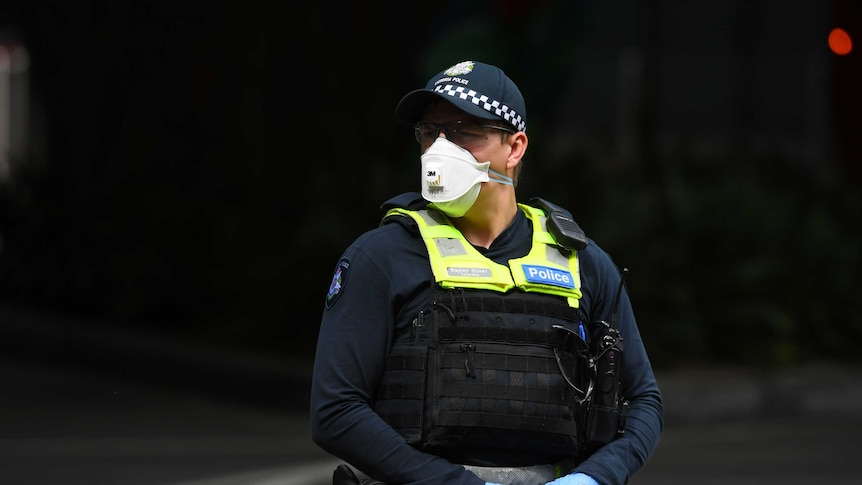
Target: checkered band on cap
pixel 490 105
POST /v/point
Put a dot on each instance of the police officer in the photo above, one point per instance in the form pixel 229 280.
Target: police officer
pixel 472 338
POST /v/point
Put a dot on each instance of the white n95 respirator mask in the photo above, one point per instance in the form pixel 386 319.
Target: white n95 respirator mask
pixel 452 177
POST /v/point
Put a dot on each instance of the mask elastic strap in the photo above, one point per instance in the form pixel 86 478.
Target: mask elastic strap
pixel 496 176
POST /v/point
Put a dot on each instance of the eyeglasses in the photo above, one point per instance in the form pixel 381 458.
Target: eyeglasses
pixel 466 134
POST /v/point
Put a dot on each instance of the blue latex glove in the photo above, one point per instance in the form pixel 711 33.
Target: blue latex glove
pixel 575 479
pixel 490 483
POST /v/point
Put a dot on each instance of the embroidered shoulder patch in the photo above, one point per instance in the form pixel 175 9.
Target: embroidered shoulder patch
pixel 339 279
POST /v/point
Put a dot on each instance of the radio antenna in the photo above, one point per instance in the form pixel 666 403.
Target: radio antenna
pixel 617 298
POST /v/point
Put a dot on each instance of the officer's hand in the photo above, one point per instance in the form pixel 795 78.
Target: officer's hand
pixel 491 483
pixel 575 479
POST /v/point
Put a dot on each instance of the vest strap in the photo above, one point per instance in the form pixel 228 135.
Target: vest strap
pixel 400 391
pixel 485 419
pixel 517 363
pixel 502 392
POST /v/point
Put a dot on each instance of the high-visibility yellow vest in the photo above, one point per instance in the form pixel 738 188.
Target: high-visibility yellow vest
pixel 548 268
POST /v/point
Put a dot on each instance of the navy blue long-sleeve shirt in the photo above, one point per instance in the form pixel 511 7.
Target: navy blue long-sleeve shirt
pixel 382 281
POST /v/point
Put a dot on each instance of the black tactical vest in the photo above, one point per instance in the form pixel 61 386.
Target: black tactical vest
pixel 493 370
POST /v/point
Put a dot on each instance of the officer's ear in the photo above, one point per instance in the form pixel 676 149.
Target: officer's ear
pixel 517 148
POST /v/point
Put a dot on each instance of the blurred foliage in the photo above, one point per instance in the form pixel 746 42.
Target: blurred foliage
pixel 736 260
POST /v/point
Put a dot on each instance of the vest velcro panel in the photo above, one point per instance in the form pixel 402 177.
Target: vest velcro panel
pixel 525 303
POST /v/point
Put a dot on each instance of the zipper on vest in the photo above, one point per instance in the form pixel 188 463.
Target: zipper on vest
pixel 416 331
pixel 469 354
pixel 448 310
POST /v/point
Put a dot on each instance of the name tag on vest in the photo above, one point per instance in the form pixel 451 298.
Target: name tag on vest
pixel 468 272
pixel 548 276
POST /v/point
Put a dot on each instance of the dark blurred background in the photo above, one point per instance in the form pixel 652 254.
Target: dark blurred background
pixel 193 172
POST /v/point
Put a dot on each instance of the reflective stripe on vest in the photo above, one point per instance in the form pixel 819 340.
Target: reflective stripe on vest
pixel 548 268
